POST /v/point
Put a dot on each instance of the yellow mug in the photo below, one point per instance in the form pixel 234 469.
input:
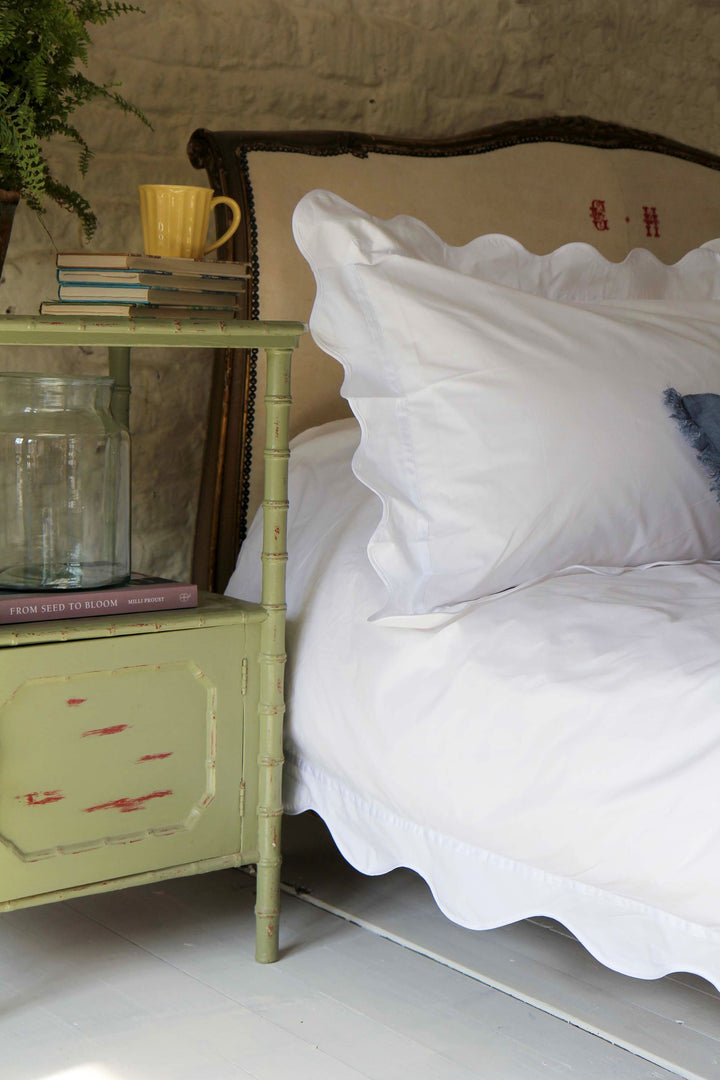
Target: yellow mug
pixel 176 218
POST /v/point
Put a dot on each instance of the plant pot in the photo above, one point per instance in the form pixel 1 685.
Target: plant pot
pixel 8 205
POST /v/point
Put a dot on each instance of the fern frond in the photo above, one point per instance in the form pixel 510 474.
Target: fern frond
pixel 128 107
pixel 20 155
pixel 73 202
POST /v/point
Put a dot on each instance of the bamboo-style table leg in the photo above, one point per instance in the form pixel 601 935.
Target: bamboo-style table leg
pixel 119 369
pixel 272 654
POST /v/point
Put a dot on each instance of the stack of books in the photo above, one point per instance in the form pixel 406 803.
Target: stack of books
pixel 136 286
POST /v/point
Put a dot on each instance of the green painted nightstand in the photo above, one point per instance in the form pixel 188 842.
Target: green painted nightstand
pixel 139 748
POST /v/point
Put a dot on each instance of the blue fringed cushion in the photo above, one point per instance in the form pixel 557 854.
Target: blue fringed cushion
pixel 698 417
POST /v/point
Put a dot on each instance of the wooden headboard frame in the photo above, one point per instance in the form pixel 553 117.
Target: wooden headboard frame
pixel 225 484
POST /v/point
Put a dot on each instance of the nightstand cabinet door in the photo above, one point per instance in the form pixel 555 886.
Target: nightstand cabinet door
pixel 121 755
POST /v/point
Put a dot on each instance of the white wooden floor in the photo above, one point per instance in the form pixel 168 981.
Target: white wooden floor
pixel 158 983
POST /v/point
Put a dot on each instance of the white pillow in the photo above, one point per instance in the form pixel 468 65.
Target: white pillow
pixel 508 436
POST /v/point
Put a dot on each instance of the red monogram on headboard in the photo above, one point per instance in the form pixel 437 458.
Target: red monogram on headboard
pixel 597 213
pixel 652 222
pixel 599 219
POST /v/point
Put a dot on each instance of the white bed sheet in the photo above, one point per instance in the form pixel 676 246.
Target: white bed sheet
pixel 553 751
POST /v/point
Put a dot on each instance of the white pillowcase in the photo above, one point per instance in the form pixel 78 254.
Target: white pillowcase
pixel 509 436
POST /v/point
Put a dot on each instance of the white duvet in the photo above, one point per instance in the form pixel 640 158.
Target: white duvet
pixel 553 751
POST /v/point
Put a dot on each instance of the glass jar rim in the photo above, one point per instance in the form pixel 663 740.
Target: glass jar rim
pixel 66 380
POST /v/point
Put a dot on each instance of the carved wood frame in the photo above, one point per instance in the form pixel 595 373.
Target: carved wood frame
pixel 223 505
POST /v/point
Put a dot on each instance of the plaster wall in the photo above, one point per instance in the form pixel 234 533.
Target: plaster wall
pixel 408 67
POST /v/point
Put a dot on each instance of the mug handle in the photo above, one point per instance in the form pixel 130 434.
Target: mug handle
pixel 235 220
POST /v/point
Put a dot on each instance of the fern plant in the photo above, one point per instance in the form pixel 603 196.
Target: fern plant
pixel 43 48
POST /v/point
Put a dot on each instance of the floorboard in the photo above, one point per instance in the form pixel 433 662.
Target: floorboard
pixel 673 1023
pixel 158 983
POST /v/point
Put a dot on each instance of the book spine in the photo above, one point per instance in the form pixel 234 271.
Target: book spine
pixel 80 605
pixel 207 268
pixel 146 294
pixel 161 279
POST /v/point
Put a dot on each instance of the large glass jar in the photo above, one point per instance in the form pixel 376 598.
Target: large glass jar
pixel 64 484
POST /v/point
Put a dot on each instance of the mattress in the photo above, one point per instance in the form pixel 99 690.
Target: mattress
pixel 551 751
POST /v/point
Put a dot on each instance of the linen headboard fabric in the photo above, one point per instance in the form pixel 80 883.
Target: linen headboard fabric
pixel 544 182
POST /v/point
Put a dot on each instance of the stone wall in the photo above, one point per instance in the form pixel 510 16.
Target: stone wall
pixel 408 67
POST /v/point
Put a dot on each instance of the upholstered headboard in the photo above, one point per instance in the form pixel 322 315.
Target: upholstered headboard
pixel 545 182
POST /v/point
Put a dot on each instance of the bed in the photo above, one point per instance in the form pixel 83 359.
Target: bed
pixel 504 530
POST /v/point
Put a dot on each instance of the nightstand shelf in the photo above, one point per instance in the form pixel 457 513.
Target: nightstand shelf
pixel 134 748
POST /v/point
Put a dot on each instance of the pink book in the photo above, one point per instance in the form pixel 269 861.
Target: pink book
pixel 142 593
